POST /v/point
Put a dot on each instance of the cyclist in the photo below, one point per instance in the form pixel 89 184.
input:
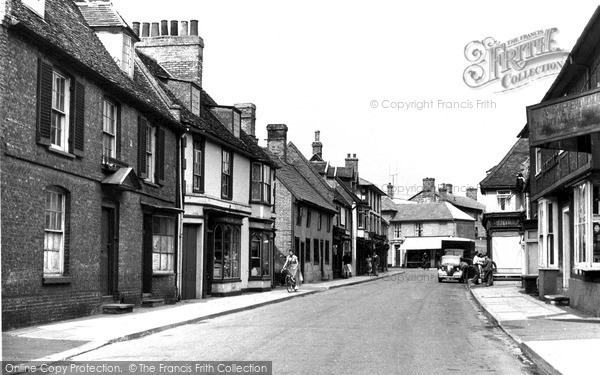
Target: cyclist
pixel 292 261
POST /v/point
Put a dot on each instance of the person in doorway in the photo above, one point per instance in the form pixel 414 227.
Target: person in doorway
pixel 347 260
pixel 369 264
pixel 291 263
pixel 478 263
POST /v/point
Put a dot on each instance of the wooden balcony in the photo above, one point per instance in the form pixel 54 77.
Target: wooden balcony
pixel 558 170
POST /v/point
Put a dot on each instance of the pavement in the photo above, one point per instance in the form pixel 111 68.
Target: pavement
pixel 558 339
pixel 62 340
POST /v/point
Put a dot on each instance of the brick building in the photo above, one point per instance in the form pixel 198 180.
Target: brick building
pixel 305 210
pixel 90 181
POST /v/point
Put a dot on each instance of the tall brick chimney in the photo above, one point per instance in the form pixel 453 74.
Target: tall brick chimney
pixel 177 49
pixel 277 140
pixel 248 118
pixel 352 162
pixel 317 146
pixel 428 192
pixel 472 193
pixel 390 190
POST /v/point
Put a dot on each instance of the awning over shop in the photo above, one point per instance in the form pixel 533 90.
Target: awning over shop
pixel 430 243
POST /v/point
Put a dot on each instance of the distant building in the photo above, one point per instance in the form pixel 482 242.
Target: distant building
pixel 427 228
pixel 506 203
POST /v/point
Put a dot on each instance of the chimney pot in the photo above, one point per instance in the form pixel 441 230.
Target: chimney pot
pixel 145 30
pixel 164 27
pixel 354 156
pixel 174 28
pixel 136 28
pixel 317 146
pixel 184 28
pixel 348 156
pixel 194 27
pixel 154 29
pixel 352 162
pixel 390 190
pixel 317 133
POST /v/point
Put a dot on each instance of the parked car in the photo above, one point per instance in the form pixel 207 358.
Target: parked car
pixel 449 268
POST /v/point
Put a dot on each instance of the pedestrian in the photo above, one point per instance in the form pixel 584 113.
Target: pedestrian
pixel 464 270
pixel 375 262
pixel 347 260
pixel 425 261
pixel 478 262
pixel 292 262
pixel 369 264
pixel 489 267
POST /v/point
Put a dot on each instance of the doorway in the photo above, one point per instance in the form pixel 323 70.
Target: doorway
pixel 108 265
pixel 189 260
pixel 566 247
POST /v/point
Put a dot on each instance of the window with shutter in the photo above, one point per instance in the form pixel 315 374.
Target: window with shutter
pixel 142 144
pixel 160 156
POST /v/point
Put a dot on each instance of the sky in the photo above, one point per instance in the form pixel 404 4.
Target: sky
pixel 340 66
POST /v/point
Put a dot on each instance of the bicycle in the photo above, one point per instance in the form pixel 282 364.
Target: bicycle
pixel 290 282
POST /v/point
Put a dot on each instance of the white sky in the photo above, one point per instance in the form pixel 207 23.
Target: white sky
pixel 317 65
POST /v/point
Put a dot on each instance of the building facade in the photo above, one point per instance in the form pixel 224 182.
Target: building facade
pixel 565 160
pixel 90 181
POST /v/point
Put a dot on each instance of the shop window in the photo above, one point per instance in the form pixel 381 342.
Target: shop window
pixel 226 252
pixel 586 221
pixel 260 253
pixel 163 243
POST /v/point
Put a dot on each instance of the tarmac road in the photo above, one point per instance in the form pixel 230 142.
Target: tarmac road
pixel 405 324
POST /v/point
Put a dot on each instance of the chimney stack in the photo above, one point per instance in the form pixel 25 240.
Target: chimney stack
pixel 352 162
pixel 181 55
pixel 449 188
pixel 317 145
pixel 277 140
pixel 443 191
pixel 390 190
pixel 136 28
pixel 428 192
pixel 472 193
pixel 248 118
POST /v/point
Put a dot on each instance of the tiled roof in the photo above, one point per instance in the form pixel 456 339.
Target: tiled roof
pixel 443 211
pixel 387 204
pixel 504 175
pixel 64 29
pixel 466 202
pixel 345 172
pixel 298 186
pixel 320 166
pixel 310 174
pixel 363 182
pixel 100 13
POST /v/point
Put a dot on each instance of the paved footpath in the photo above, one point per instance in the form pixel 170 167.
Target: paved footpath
pixel 559 339
pixel 59 341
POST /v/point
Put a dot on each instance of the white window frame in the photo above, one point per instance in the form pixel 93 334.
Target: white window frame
pixel 150 153
pixel 109 130
pixel 538 160
pixel 163 244
pixel 397 230
pixel 127 55
pixel 548 233
pixel 506 195
pixel 61 106
pixel 584 221
pixel 54 215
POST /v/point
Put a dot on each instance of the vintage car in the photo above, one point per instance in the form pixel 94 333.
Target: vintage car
pixel 449 268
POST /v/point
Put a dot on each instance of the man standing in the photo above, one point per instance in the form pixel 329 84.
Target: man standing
pixel 375 261
pixel 489 266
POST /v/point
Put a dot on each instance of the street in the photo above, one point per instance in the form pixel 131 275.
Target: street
pixel 405 324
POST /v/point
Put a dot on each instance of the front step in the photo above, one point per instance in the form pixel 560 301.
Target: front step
pixel 557 299
pixel 148 301
pixel 117 308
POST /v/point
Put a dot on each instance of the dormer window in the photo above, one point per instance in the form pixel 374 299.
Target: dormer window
pixel 230 117
pixel 127 56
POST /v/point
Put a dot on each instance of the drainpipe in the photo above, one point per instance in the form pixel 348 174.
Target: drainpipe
pixel 180 193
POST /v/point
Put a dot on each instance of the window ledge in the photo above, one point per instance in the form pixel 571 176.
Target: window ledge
pixel 152 184
pixel 162 273
pixel 61 152
pixel 226 281
pixel 52 280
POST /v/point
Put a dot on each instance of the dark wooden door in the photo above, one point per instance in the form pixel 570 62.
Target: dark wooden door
pixel 147 255
pixel 190 251
pixel 107 252
pixel 208 263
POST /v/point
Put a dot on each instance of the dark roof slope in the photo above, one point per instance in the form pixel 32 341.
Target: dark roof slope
pixel 442 211
pixel 302 164
pixel 66 32
pixel 465 202
pixel 298 186
pixel 99 13
pixel 504 175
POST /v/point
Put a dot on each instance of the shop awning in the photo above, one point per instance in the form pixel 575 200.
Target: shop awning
pixel 429 243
